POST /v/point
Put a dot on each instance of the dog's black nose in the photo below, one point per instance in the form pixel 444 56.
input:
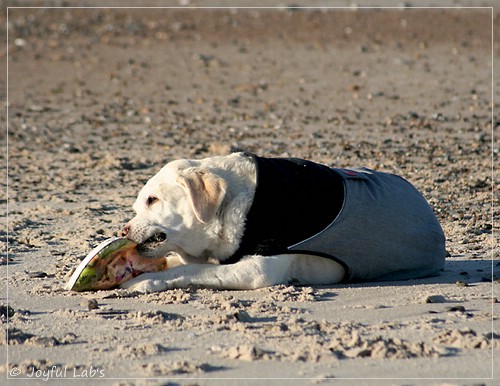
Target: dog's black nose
pixel 125 230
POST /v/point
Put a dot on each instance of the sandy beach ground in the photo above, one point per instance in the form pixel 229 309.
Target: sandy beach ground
pixel 100 99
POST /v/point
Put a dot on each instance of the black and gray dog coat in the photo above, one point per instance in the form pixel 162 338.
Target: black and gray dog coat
pixel 377 225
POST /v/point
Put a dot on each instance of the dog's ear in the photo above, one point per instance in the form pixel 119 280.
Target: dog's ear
pixel 205 190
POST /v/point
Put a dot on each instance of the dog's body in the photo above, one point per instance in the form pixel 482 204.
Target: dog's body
pixel 278 221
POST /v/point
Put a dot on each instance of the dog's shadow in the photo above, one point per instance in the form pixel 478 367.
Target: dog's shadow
pixel 457 271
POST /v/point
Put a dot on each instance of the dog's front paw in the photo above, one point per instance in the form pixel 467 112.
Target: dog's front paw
pixel 145 285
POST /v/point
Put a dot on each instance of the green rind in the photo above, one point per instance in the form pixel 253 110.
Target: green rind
pixel 86 279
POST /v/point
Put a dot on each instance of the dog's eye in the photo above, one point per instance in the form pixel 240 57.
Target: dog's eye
pixel 151 200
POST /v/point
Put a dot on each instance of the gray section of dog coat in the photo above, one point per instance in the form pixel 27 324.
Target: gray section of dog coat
pixel 385 230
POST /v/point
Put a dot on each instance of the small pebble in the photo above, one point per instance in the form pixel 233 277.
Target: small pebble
pixel 243 316
pixel 92 305
pixel 6 311
pixel 435 299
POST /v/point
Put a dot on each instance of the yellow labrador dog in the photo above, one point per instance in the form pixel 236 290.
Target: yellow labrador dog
pixel 242 222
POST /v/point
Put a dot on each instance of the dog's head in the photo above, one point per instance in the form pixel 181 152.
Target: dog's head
pixel 174 209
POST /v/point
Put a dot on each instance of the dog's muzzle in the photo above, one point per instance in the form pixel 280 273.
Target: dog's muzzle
pixel 152 243
pixel 157 238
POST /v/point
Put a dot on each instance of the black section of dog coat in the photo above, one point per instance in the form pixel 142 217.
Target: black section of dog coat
pixel 294 200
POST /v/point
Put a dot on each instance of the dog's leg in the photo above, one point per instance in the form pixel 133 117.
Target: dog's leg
pixel 249 273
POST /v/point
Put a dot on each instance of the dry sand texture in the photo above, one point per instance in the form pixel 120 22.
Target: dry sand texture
pixel 100 99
